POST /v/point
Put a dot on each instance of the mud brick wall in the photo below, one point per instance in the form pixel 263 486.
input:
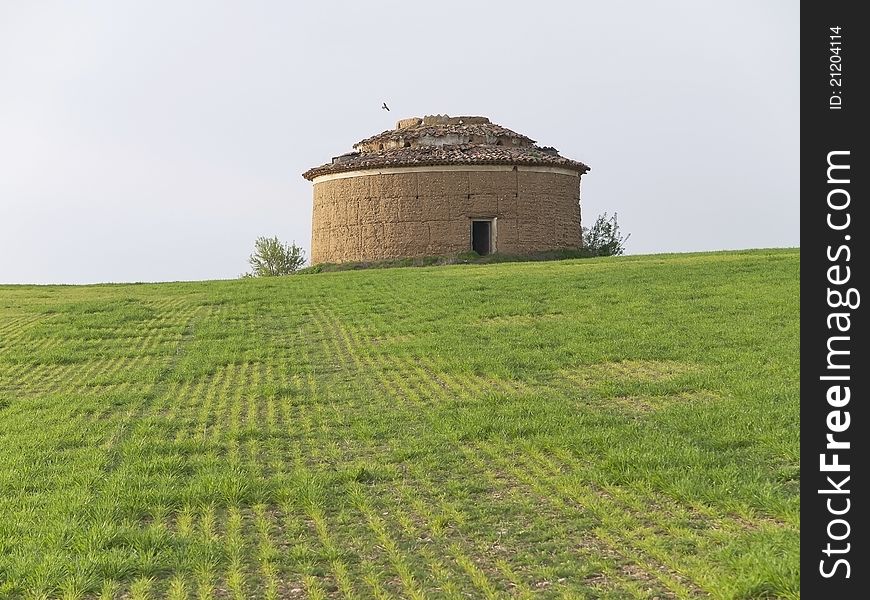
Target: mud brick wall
pixel 428 212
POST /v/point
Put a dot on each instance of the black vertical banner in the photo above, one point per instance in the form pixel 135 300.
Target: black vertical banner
pixel 834 366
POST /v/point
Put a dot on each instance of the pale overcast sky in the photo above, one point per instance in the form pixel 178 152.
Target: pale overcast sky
pixel 149 141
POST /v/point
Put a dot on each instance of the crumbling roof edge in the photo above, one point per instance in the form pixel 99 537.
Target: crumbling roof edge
pixel 330 168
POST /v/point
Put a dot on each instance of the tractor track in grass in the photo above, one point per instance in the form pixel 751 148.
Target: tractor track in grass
pixel 421 387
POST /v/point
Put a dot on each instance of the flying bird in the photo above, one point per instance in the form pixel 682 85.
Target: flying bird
pixel 385 107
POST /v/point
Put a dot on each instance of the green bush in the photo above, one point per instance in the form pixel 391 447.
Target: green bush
pixel 271 258
pixel 603 238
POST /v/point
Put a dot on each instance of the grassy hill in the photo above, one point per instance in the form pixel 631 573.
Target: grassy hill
pixel 601 428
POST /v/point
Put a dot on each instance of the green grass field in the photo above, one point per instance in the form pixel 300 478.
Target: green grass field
pixel 599 428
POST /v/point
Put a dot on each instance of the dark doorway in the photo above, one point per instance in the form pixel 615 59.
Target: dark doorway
pixel 481 237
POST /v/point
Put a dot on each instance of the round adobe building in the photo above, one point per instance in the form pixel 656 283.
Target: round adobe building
pixel 443 185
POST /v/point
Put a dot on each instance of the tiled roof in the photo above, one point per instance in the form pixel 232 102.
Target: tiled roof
pixel 446 155
pixel 442 140
pixel 422 131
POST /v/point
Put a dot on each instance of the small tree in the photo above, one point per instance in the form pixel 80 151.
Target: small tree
pixel 271 258
pixel 603 238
